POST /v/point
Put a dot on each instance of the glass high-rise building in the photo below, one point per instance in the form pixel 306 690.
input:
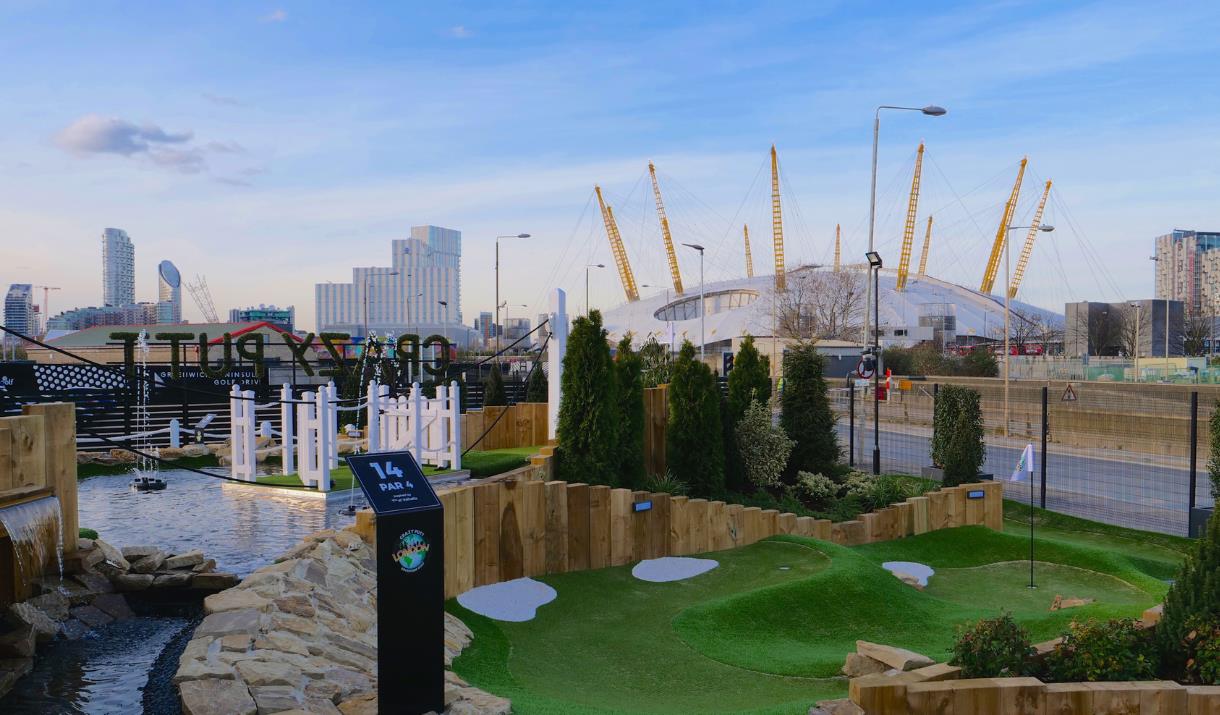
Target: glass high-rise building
pixel 1188 269
pixel 118 268
pixel 169 293
pixel 19 309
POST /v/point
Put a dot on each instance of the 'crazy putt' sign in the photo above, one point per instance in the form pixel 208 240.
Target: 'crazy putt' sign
pixel 410 556
pixel 407 350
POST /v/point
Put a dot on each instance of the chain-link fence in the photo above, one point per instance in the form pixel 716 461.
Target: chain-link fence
pixel 1119 454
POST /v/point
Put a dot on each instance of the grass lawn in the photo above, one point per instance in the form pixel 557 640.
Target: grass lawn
pixel 750 637
pixel 480 464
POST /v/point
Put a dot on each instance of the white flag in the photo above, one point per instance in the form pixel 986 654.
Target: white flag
pixel 1025 467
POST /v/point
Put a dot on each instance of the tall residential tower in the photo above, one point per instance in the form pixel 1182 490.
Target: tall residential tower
pixel 118 268
pixel 1188 269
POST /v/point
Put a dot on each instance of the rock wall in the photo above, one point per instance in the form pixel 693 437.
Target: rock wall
pixel 301 635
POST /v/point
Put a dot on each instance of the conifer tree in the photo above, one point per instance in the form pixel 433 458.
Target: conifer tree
pixel 695 437
pixel 588 411
pixel 806 415
pixel 629 370
pixel 493 389
pixel 537 390
pixel 749 381
pixel 1193 600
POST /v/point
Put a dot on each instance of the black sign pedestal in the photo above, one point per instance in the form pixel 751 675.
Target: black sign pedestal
pixel 410 582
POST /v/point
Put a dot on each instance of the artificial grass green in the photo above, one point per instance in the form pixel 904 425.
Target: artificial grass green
pixel 480 464
pixel 607 643
pixel 85 471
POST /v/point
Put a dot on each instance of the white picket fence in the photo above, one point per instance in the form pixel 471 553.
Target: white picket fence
pixel 429 428
pixel 241 434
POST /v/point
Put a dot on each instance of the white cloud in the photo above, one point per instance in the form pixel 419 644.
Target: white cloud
pixel 460 32
pixel 95 134
pixel 277 15
pixel 223 100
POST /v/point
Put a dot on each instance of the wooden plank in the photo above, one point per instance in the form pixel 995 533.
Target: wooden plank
pixel 451 554
pixel 463 540
pixel 533 527
pixel 599 527
pixel 938 508
pixel 658 525
pixel 578 527
pixel 955 509
pixel 872 526
pixel 1067 699
pixel 787 523
pixel 805 526
pixel 975 511
pixel 59 423
pixel 903 526
pixel 512 532
pixel 1163 698
pixel 932 697
pixel 737 524
pixel 697 520
pixel 487 533
pixel 770 523
pixel 1203 699
pixel 29 453
pixel 641 539
pixel 994 508
pixel 849 533
pixel 718 536
pixel 821 529
pixel 6 457
pixel 557 527
pixel 919 515
pixel 621 533
pixel 751 518
pixel 679 526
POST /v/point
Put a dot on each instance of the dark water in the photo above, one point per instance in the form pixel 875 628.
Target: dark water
pixel 125 667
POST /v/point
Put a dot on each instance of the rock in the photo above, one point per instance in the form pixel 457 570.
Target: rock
pixel 276 698
pixel 149 563
pixel 114 605
pixel 257 672
pixel 113 562
pixel 190 558
pixel 122 456
pixel 836 707
pixel 296 605
pixel 234 599
pixel 214 581
pixel 284 642
pixel 12 670
pixel 54 604
pixel 27 614
pixel 348 681
pixel 172 580
pixel 216 697
pixel 96 583
pixel 18 643
pixel 91 616
pixel 227 622
pixel 472 701
pixel 72 590
pixel 73 629
pixel 857 665
pixel 196 450
pixel 133 582
pixel 205 567
pixel 135 553
pixel 83 561
pixel 203 670
pixel 363 704
pixel 1060 602
pixel 237 642
pixel 83 544
pixel 909 580
pixel 898 658
pixel 1152 616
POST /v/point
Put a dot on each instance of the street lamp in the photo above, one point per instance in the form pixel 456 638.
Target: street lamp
pixel 1209 327
pixel 874 262
pixel 932 111
pixel 1135 351
pixel 702 307
pixel 587 267
pixel 1007 310
pixel 445 328
pixel 518 235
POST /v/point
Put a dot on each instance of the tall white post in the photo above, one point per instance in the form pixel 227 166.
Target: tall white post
pixel 372 426
pixel 328 431
pixel 175 433
pixel 454 412
pixel 306 438
pixel 331 426
pixel 558 325
pixel 287 430
pixel 417 421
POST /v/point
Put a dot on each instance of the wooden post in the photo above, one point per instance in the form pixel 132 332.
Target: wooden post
pixel 533 532
pixel 696 510
pixel 578 527
pixel 29 452
pixel 599 527
pixel 621 534
pixel 719 537
pixel 7 480
pixel 557 527
pixel 919 515
pixel 487 533
pixel 770 523
pixel 679 526
pixel 821 529
pixel 751 517
pixel 787 523
pixel 641 542
pixel 658 525
pixel 737 524
pixel 993 507
pixel 59 441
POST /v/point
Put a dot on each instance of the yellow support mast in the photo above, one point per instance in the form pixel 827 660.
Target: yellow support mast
pixel 616 247
pixel 669 240
pixel 777 224
pixel 1028 248
pixel 908 231
pixel 745 229
pixel 1001 235
pixel 923 256
pixel 837 233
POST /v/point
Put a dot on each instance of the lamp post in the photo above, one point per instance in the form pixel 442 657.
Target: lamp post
pixel 519 235
pixel 1209 327
pixel 932 111
pixel 874 262
pixel 1007 311
pixel 702 307
pixel 587 267
pixel 445 328
pixel 1135 352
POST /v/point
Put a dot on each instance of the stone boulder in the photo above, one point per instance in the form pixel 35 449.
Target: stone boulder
pixel 896 658
pixel 28 615
pixel 856 665
pixel 216 697
pixel 113 563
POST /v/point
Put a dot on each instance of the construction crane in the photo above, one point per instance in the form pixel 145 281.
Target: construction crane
pixel 927 243
pixel 1028 248
pixel 203 298
pixel 777 224
pixel 616 247
pixel 837 232
pixel 1001 235
pixel 46 303
pixel 745 230
pixel 908 231
pixel 674 273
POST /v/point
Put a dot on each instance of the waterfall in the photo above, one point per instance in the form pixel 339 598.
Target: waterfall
pixel 31 527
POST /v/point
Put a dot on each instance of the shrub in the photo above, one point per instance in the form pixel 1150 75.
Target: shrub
pixel 657 363
pixel 537 389
pixel 749 381
pixel 87 533
pixel 898 361
pixel 1193 598
pixel 493 390
pixel 815 489
pixel 1213 462
pixel 1200 648
pixel 991 648
pixel 859 485
pixel 979 363
pixel 762 447
pixel 627 369
pixel 1102 651
pixel 806 415
pixel 666 483
pixel 695 439
pixel 588 413
pixel 957 435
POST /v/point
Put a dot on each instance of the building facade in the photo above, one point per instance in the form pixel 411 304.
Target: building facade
pixel 1138 328
pixel 169 293
pixel 485 326
pixel 118 268
pixel 19 309
pixel 93 316
pixel 406 296
pixel 283 317
pixel 1188 269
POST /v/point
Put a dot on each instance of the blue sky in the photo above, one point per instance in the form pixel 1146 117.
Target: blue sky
pixel 273 146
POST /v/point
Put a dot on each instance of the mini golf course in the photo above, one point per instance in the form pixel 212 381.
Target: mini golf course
pixel 767 630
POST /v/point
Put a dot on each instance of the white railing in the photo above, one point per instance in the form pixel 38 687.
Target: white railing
pixel 429 428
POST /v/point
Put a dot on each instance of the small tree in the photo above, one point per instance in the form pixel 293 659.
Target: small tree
pixel 749 381
pixel 957 437
pixel 657 363
pixel 537 389
pixel 806 416
pixel 763 447
pixel 628 369
pixel 1213 462
pixel 588 413
pixel 1193 598
pixel 493 389
pixel 980 362
pixel 694 438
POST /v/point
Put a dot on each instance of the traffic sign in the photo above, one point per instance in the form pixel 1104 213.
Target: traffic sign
pixel 1069 395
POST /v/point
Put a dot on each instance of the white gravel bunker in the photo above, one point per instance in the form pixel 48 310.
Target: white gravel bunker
pixel 516 601
pixel 672 568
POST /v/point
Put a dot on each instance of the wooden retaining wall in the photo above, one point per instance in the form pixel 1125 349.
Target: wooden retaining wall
pixel 37 459
pixel 525 425
pixel 510 528
pixel 656 418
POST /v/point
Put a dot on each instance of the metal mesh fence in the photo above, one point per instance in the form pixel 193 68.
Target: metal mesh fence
pixel 1118 454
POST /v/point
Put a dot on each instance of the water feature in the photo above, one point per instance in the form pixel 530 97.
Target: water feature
pixel 33 527
pixel 242 527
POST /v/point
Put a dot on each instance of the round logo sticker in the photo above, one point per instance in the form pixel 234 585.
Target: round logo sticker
pixel 412 550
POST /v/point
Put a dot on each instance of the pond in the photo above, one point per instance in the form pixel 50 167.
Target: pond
pixel 242 527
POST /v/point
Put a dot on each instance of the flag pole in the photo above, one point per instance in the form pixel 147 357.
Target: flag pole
pixel 1030 472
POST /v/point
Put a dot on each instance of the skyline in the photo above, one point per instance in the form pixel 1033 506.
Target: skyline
pixel 304 139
